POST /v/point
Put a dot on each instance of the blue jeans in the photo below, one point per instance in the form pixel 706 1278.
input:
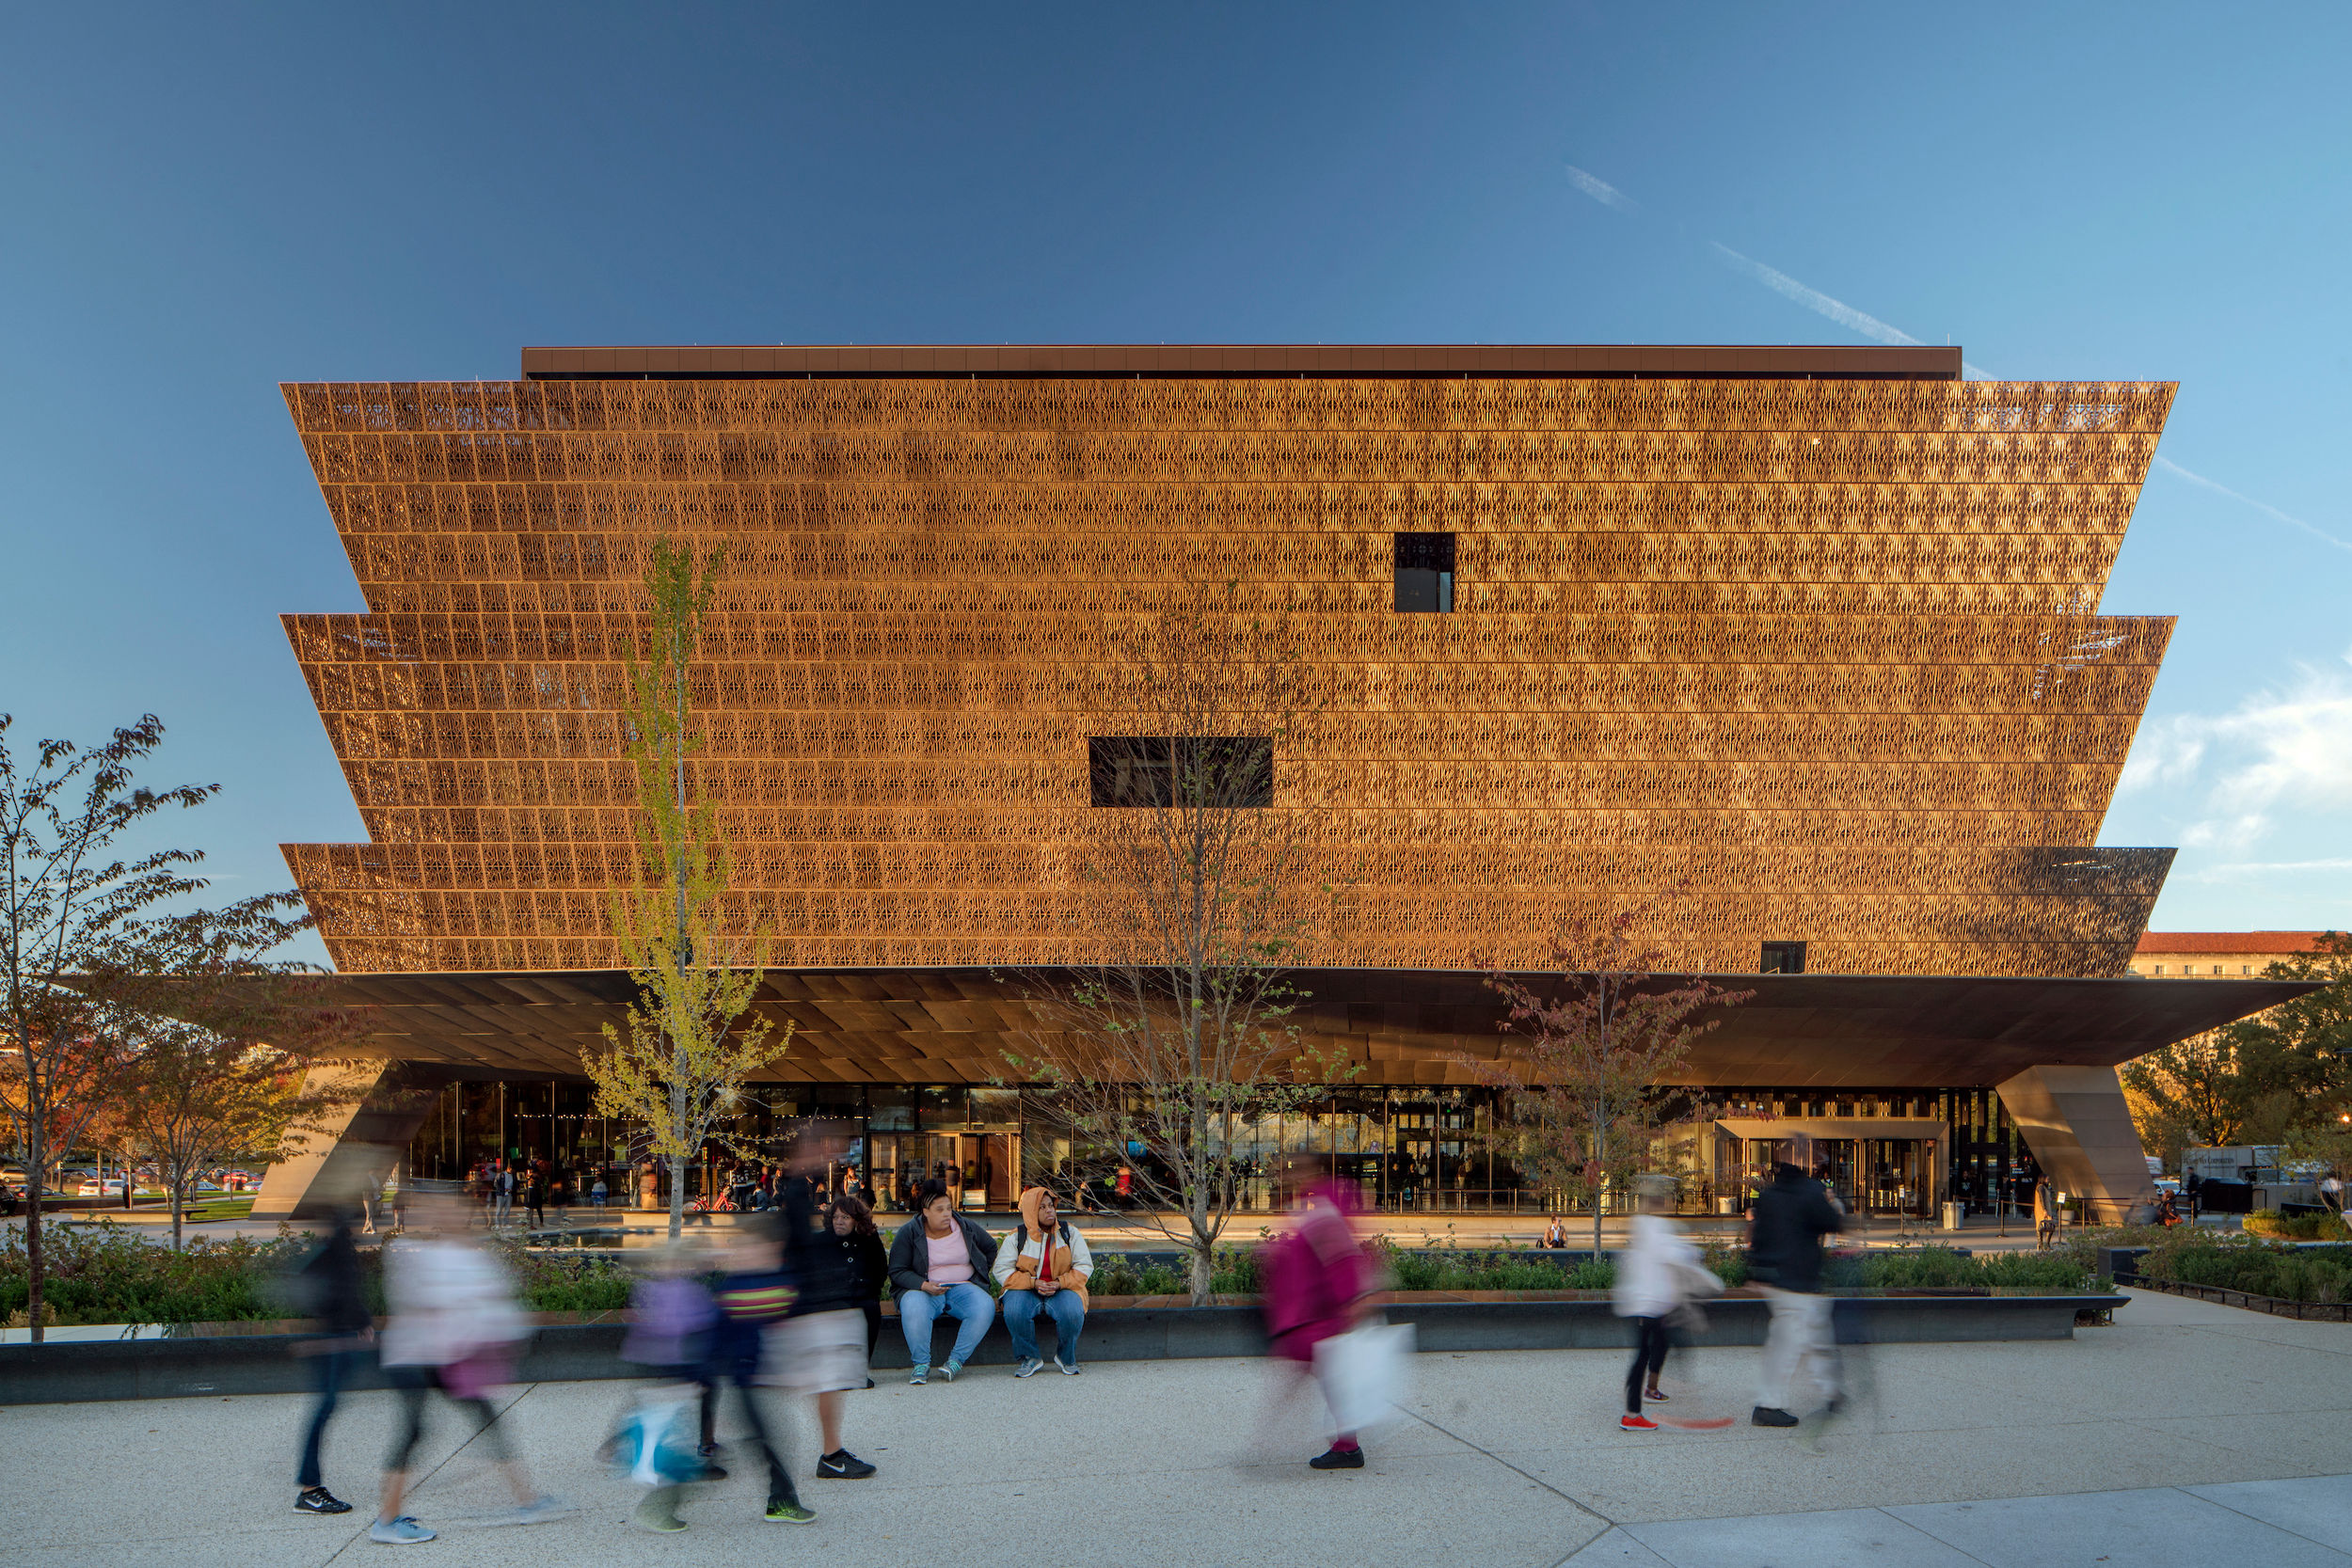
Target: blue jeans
pixel 973 1308
pixel 330 1372
pixel 1068 1312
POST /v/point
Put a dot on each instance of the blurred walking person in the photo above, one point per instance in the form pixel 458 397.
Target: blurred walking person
pixel 1657 1274
pixel 337 1298
pixel 1317 1285
pixel 671 1316
pixel 821 1349
pixel 455 1327
pixel 2046 1214
pixel 755 1296
pixel 1784 1259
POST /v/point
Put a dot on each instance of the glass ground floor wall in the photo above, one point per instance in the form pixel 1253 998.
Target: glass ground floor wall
pixel 1408 1149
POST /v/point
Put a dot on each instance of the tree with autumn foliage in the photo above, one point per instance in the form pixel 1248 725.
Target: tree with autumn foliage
pixel 692 1039
pixel 76 904
pixel 1582 1066
pixel 213 1041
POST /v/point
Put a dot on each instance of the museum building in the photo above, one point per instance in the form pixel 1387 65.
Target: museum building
pixel 1798 647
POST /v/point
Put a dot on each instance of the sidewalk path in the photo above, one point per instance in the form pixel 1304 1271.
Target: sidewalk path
pixel 2275 1524
pixel 2188 1433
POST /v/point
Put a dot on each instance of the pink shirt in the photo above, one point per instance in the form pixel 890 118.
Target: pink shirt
pixel 950 1260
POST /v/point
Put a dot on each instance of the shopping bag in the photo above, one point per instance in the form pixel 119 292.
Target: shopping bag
pixel 1365 1372
pixel 659 1440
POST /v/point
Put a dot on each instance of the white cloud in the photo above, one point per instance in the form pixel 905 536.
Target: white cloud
pixel 2235 871
pixel 2292 750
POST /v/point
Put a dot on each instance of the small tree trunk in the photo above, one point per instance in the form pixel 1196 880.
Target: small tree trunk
pixel 36 1151
pixel 1203 1254
pixel 178 1205
pixel 678 1195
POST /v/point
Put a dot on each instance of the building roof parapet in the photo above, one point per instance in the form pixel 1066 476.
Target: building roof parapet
pixel 1403 361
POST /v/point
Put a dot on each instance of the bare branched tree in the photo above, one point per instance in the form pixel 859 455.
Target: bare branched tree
pixel 1582 1068
pixel 693 1038
pixel 1195 891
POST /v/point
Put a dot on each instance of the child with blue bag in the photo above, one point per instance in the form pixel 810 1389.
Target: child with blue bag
pixel 671 1317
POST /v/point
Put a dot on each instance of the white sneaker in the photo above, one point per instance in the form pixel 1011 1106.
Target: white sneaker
pixel 402 1531
pixel 1030 1366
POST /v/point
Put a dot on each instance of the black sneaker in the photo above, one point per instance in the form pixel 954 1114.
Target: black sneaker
pixel 318 1499
pixel 841 1465
pixel 1338 1459
pixel 1765 1416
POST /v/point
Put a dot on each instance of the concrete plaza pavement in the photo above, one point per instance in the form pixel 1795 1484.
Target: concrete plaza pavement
pixel 2186 1433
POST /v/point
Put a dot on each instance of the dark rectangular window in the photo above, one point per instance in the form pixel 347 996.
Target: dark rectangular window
pixel 1782 957
pixel 1192 770
pixel 1424 573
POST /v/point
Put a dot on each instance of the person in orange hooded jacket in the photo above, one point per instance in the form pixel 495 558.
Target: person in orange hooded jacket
pixel 1043 1266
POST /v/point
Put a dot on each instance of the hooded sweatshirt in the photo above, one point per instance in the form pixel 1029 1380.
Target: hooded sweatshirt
pixel 1022 1253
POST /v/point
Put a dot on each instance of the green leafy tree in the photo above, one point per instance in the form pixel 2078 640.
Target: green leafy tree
pixel 1582 1067
pixel 2281 1076
pixel 693 1038
pixel 1191 886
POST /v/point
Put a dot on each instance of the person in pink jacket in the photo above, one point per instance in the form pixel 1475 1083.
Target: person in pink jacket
pixel 1317 1282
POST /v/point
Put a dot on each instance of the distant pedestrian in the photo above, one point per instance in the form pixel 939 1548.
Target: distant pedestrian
pixel 338 1302
pixel 937 1261
pixel 599 1193
pixel 1784 1259
pixel 1658 1273
pixel 2046 1214
pixel 535 1197
pixel 455 1327
pixel 501 1196
pixel 1555 1234
pixel 1317 1285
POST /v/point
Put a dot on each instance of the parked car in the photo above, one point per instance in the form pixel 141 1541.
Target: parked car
pixel 110 1187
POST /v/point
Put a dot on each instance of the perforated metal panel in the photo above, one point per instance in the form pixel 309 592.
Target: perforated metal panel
pixel 1821 654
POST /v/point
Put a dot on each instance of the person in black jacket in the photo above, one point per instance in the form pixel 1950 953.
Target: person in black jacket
pixel 851 1226
pixel 822 1346
pixel 337 1299
pixel 1784 1257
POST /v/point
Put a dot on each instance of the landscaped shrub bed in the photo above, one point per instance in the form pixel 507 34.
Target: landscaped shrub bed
pixel 1458 1269
pixel 108 1274
pixel 2298 1228
pixel 2222 1260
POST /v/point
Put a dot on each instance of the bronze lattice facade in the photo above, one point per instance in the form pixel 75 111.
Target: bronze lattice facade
pixel 1812 639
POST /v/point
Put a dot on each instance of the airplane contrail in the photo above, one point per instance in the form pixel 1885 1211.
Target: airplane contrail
pixel 1602 191
pixel 2314 529
pixel 1870 327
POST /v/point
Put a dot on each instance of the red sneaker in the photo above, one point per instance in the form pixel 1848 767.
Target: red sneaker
pixel 1636 1423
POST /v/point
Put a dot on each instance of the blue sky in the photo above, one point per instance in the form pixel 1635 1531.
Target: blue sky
pixel 197 203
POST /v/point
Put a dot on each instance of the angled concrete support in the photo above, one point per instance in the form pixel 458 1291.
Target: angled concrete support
pixel 384 1102
pixel 2076 1122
